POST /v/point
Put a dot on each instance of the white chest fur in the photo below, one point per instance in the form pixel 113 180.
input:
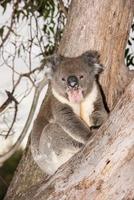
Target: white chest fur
pixel 85 108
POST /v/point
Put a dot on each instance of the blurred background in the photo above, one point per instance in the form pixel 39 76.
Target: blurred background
pixel 29 31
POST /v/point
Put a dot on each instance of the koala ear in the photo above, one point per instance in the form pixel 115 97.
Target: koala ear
pixel 53 61
pixel 93 59
pixel 51 64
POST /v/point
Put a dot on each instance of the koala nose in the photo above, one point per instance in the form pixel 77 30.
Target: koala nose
pixel 72 81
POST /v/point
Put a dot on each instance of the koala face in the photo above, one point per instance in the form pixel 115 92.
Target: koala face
pixel 73 78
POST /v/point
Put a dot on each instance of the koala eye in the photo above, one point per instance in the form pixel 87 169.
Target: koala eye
pixel 81 77
pixel 63 79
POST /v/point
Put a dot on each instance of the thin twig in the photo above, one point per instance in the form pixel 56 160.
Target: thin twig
pixel 31 43
pixel 14 119
pixel 9 100
pixel 15 6
pixel 10 94
pixel 11 151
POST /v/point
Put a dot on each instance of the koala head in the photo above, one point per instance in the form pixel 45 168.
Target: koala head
pixel 73 78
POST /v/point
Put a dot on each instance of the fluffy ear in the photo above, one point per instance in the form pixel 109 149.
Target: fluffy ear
pixel 53 61
pixel 93 59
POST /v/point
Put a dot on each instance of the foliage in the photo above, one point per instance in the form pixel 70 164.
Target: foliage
pixel 129 51
pixel 49 10
pixel 44 21
pixel 6 172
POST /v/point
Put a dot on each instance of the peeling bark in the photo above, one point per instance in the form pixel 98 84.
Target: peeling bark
pixel 104 168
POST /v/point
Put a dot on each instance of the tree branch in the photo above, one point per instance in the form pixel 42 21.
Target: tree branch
pixel 9 100
pixel 11 151
pixel 15 6
pixel 14 119
pixel 28 74
pixel 100 165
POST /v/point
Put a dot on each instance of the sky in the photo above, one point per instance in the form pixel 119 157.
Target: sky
pixel 6 84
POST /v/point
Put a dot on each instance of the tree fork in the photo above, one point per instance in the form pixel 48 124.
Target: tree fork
pixel 103 169
pixel 103 26
pixel 97 25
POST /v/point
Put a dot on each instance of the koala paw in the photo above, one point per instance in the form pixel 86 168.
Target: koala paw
pixel 98 119
pixel 77 145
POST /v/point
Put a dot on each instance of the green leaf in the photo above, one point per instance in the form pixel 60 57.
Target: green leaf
pixel 126 52
pixel 1 31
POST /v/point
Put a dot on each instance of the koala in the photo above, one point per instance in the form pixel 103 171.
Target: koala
pixel 73 108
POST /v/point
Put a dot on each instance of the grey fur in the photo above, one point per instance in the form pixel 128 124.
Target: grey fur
pixel 62 132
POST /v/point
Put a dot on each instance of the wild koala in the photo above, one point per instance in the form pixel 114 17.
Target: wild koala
pixel 73 107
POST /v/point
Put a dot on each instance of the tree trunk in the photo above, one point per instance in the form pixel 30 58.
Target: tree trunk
pixel 103 169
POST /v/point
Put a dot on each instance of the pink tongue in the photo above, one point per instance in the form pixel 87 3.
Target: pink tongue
pixel 75 96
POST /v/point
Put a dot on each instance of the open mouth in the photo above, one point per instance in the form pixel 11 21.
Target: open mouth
pixel 75 95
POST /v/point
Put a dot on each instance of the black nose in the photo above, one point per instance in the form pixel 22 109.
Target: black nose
pixel 72 81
